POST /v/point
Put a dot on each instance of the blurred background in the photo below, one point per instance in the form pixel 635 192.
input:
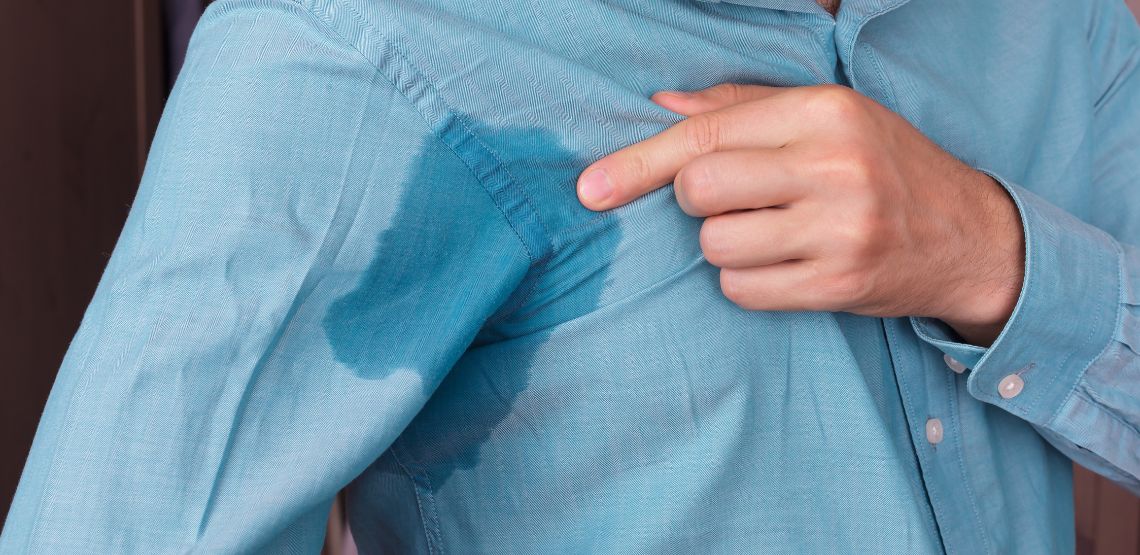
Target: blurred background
pixel 86 82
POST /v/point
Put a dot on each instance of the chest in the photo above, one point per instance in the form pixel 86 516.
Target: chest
pixel 545 89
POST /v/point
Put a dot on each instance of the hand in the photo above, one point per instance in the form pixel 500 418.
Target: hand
pixel 818 198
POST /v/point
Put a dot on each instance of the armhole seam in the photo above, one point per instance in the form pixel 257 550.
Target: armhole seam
pixel 446 125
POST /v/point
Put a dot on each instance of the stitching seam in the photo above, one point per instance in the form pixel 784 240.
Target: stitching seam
pixel 401 57
pixel 429 538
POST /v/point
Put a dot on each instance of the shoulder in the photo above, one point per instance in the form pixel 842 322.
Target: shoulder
pixel 453 68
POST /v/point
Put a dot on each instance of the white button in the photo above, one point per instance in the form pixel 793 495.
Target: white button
pixel 954 365
pixel 934 431
pixel 1010 386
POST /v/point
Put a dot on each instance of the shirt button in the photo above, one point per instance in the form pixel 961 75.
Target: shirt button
pixel 934 431
pixel 953 363
pixel 1010 386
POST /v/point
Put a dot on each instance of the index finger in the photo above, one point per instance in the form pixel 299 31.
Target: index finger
pixel 652 163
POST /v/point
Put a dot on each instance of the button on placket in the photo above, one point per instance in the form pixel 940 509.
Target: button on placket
pixel 954 364
pixel 938 460
pixel 934 431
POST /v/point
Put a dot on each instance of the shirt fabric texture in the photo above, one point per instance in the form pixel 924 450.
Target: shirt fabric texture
pixel 356 260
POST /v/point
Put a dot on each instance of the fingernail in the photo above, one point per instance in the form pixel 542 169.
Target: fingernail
pixel 678 94
pixel 595 187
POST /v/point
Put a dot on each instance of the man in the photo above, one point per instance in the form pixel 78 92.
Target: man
pixel 357 259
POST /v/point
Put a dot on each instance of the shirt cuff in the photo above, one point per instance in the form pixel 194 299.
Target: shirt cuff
pixel 1064 318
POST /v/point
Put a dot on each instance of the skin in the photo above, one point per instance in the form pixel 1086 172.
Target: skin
pixel 820 199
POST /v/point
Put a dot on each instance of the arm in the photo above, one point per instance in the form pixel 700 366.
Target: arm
pixel 1073 340
pixel 303 263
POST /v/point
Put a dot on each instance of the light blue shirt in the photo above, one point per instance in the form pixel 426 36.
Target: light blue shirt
pixel 357 260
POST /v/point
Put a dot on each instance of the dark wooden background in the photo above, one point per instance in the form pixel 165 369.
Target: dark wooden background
pixel 83 87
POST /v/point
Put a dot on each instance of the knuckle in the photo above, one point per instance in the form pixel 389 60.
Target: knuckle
pixel 702 133
pixel 834 103
pixel 816 168
pixel 695 189
pixel 732 286
pixel 856 167
pixel 850 288
pixel 637 167
pixel 715 242
pixel 851 169
pixel 860 240
pixel 729 91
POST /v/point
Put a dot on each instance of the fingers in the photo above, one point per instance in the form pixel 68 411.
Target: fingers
pixel 724 181
pixel 756 238
pixel 642 167
pixel 712 98
pixel 645 166
pixel 784 286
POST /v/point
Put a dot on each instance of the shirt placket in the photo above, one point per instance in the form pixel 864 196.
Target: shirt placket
pixel 928 386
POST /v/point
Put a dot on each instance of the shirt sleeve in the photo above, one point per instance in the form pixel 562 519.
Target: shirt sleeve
pixel 1068 359
pixel 303 263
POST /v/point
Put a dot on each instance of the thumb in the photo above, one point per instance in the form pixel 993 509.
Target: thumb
pixel 710 99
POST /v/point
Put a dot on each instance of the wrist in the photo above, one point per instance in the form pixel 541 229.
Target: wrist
pixel 993 266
